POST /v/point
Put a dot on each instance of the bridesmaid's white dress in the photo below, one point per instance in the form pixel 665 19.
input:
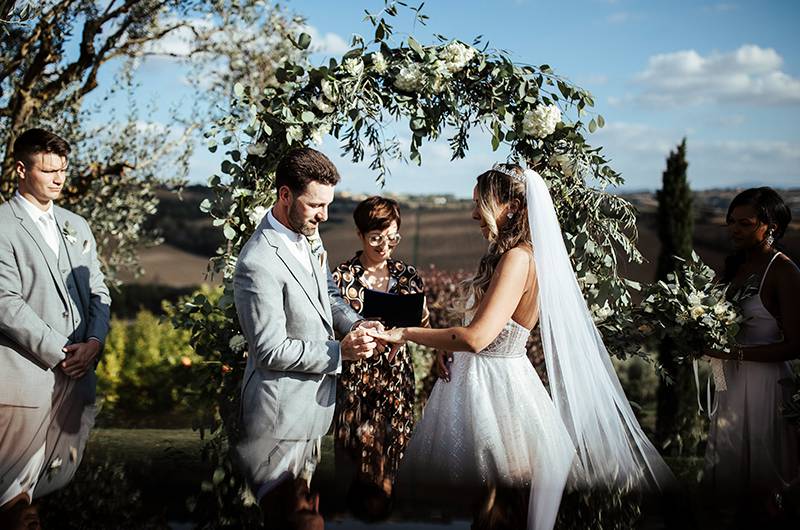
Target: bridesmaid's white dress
pixel 751 448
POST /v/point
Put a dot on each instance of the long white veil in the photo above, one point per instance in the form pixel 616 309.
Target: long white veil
pixel 611 448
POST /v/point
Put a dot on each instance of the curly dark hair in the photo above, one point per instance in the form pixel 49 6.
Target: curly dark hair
pixel 303 165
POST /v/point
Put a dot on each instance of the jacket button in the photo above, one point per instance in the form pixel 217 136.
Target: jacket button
pixel 65 314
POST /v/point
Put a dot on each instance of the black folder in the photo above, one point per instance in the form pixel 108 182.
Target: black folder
pixel 394 310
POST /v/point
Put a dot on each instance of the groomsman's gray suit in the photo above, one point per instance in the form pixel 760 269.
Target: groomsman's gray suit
pixel 290 318
pixel 46 302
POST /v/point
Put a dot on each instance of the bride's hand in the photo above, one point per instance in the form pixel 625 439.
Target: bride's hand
pixel 395 337
pixel 443 360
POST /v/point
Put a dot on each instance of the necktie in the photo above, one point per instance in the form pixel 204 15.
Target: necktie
pixel 49 231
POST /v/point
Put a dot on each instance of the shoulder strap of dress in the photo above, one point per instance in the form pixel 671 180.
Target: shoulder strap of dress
pixel 767 270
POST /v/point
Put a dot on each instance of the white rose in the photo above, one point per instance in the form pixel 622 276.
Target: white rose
pixel 256 215
pixel 410 78
pixel 354 66
pixel 379 63
pixel 541 121
pixel 697 311
pixel 694 299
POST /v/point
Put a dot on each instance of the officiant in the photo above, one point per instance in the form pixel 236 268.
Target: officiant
pixel 375 398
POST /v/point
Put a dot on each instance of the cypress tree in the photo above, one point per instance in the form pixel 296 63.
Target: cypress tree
pixel 676 416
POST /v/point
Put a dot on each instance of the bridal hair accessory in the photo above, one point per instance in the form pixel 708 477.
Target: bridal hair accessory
pixel 519 177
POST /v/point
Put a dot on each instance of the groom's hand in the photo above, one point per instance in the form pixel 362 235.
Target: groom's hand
pixel 80 357
pixel 357 345
pixel 374 325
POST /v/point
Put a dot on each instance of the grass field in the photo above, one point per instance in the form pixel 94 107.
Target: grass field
pixel 141 478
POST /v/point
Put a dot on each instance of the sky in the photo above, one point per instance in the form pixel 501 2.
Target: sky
pixel 725 75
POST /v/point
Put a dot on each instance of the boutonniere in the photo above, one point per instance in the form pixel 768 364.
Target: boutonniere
pixel 69 232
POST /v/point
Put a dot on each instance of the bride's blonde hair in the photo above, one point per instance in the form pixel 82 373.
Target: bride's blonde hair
pixel 495 190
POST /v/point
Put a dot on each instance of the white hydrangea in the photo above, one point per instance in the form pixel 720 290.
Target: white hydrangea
pixel 322 105
pixel 354 66
pixel 411 78
pixel 379 63
pixel 456 56
pixel 541 121
pixel 255 215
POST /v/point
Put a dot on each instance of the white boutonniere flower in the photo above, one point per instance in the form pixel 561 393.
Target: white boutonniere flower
pixel 69 232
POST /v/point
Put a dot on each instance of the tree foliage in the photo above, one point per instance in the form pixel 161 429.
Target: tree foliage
pixel 676 417
pixel 51 61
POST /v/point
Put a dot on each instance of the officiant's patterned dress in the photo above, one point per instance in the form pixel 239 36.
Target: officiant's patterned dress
pixel 375 398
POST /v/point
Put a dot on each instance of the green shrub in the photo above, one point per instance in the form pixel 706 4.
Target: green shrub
pixel 144 374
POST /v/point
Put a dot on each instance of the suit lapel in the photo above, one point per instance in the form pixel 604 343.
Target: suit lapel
pixel 307 282
pixel 33 231
pixel 322 289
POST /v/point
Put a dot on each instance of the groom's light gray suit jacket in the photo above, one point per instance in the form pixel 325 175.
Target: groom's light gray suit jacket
pixel 290 318
pixel 45 302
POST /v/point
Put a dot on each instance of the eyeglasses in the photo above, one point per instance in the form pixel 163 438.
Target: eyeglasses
pixel 377 240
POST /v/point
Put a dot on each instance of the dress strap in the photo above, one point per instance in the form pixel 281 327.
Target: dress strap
pixel 767 270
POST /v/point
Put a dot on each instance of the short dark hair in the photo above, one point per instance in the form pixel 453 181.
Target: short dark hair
pixel 302 165
pixel 35 141
pixel 376 213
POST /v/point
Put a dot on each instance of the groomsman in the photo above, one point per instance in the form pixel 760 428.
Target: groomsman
pixel 54 318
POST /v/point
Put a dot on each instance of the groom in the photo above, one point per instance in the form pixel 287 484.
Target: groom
pixel 54 317
pixel 291 313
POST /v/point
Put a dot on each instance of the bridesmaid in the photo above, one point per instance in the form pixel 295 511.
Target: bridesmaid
pixel 375 398
pixel 752 452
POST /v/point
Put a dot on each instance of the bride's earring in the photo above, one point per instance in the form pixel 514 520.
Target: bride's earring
pixel 770 239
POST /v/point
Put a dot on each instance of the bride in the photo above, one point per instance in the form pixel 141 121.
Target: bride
pixel 491 421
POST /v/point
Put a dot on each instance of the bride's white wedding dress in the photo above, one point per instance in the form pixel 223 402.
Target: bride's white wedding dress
pixel 493 423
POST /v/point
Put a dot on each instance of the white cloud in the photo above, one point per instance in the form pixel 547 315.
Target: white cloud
pixel 639 151
pixel 750 74
pixel 327 44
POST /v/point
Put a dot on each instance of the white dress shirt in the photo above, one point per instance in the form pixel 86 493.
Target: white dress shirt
pixel 297 243
pixel 45 221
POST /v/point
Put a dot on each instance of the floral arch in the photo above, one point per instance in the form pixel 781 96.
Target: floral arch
pixel 448 88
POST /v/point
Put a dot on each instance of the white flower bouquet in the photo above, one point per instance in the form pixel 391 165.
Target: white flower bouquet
pixel 691 309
